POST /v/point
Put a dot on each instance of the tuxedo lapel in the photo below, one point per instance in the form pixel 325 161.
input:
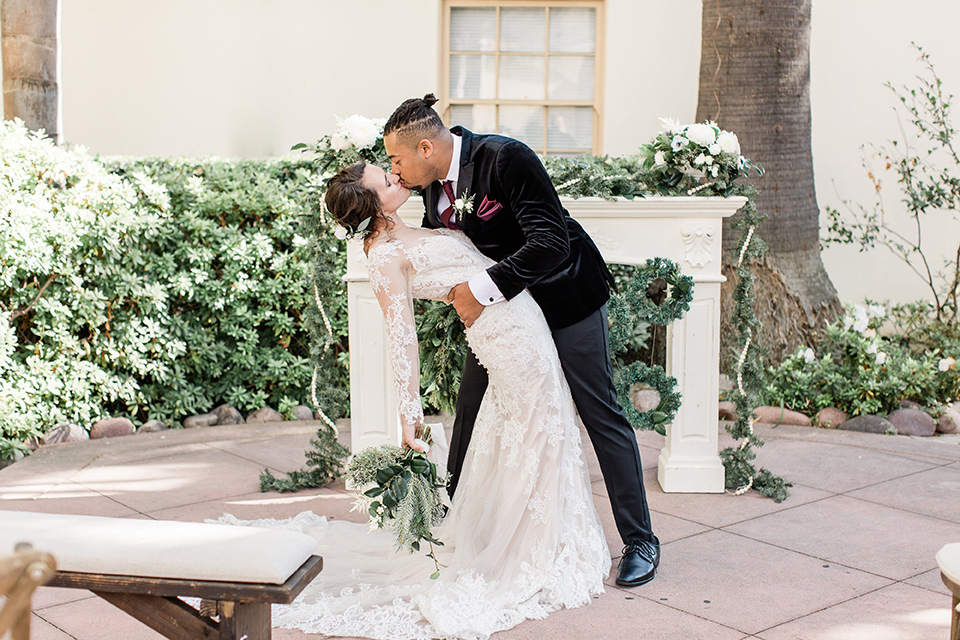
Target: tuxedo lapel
pixel 431 196
pixel 465 180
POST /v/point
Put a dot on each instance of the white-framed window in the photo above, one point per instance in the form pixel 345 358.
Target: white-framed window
pixel 529 69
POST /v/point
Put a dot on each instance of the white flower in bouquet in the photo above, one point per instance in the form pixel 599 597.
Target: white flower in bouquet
pixel 702 134
pixel 361 131
pixel 671 125
pixel 678 142
pixel 946 364
pixel 715 149
pixel 339 142
pixel 881 357
pixel 728 143
pixel 699 160
pixel 714 171
pixel 659 159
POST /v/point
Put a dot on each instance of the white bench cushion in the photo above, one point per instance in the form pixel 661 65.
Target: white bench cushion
pixel 159 548
pixel 948 558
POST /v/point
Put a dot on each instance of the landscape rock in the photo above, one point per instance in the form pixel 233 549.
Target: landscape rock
pixel 912 422
pixel 111 428
pixel 645 399
pixel 949 422
pixel 726 382
pixel 776 415
pixel 868 423
pixel 301 412
pixel 227 415
pixel 65 432
pixel 830 417
pixel 202 420
pixel 151 426
pixel 727 410
pixel 264 414
pixel 910 404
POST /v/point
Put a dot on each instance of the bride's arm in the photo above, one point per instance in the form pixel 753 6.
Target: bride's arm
pixel 390 276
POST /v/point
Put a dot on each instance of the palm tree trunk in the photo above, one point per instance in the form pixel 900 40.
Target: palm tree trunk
pixel 755 81
pixel 31 90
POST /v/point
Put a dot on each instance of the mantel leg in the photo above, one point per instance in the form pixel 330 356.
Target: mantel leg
pixel 689 462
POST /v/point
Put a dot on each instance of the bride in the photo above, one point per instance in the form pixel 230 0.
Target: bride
pixel 522 537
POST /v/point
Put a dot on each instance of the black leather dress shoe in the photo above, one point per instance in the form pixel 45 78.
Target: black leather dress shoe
pixel 639 563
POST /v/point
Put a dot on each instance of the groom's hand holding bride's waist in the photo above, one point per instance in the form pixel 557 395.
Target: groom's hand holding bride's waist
pixel 467 306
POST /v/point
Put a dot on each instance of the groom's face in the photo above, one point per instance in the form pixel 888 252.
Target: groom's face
pixel 411 161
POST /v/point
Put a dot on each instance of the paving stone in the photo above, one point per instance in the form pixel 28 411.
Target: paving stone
pixel 924 492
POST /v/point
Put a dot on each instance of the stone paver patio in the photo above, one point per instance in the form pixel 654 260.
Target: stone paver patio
pixel 850 555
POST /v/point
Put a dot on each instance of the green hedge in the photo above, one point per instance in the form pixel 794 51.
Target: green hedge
pixel 158 288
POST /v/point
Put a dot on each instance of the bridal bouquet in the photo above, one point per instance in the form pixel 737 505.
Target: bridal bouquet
pixel 695 157
pixel 401 488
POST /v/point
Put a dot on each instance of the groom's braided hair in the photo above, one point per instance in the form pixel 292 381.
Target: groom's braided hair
pixel 415 119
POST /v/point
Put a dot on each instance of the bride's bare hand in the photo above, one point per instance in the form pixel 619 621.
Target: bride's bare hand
pixel 409 440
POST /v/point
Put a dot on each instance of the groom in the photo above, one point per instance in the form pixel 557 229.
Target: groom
pixel 516 219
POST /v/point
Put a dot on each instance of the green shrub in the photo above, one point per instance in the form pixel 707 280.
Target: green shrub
pixel 858 371
pixel 157 288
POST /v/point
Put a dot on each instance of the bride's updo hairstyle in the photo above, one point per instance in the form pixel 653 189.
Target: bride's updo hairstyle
pixel 414 120
pixel 350 201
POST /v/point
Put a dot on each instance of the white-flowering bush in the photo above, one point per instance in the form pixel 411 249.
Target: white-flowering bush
pixel 149 288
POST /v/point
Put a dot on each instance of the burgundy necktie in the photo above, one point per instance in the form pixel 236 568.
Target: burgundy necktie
pixel 445 216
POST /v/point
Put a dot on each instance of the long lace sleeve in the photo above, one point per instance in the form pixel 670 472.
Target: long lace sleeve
pixel 389 274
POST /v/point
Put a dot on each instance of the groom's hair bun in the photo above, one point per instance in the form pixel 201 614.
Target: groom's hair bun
pixel 415 120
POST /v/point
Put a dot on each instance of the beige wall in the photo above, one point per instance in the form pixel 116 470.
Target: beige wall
pixel 253 77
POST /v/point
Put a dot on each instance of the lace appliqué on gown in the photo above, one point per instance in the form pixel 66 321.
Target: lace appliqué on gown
pixel 522 537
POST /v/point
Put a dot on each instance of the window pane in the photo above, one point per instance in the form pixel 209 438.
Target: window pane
pixel 523 30
pixel 571 78
pixel 573 30
pixel 473 76
pixel 473 29
pixel 523 123
pixel 479 118
pixel 522 78
pixel 570 128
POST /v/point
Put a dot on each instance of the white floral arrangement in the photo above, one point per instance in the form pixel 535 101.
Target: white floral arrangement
pixel 695 157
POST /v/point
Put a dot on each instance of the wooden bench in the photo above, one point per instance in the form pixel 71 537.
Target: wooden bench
pixel 143 567
pixel 948 559
pixel 20 574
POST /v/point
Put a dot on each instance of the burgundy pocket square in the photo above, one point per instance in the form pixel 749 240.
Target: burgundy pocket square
pixel 488 209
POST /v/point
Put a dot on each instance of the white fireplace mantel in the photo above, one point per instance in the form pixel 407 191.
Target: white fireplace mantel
pixel 686 230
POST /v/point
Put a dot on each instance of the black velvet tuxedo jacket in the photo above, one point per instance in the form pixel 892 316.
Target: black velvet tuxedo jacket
pixel 536 244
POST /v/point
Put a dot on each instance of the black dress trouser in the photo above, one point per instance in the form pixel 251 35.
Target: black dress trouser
pixel 585 357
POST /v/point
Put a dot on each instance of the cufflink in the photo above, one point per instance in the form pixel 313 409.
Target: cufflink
pixel 491 299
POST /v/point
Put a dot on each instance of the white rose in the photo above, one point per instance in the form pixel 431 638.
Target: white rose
pixel 670 125
pixel 702 134
pixel 881 357
pixel 715 149
pixel 678 142
pixel 340 233
pixel 728 142
pixel 699 160
pixel 714 171
pixel 338 142
pixel 362 132
pixel 659 159
pixel 946 364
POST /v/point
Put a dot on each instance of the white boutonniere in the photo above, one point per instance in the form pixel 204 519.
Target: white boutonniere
pixel 463 206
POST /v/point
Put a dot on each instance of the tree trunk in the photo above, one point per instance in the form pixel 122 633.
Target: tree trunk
pixel 28 32
pixel 755 81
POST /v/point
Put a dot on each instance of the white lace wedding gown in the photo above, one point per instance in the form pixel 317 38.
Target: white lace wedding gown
pixel 522 537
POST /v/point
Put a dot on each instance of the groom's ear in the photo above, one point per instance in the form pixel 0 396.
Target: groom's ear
pixel 425 148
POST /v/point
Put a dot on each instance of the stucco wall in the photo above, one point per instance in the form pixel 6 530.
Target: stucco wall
pixel 253 77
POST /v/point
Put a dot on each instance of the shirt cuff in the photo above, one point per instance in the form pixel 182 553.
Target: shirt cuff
pixel 483 289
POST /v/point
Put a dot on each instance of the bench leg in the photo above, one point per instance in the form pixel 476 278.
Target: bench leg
pixel 171 617
pixel 244 620
pixel 955 619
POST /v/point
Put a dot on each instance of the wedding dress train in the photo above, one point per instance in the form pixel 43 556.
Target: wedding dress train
pixel 522 537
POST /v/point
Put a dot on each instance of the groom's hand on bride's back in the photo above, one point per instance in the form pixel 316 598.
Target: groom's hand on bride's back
pixel 467 306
